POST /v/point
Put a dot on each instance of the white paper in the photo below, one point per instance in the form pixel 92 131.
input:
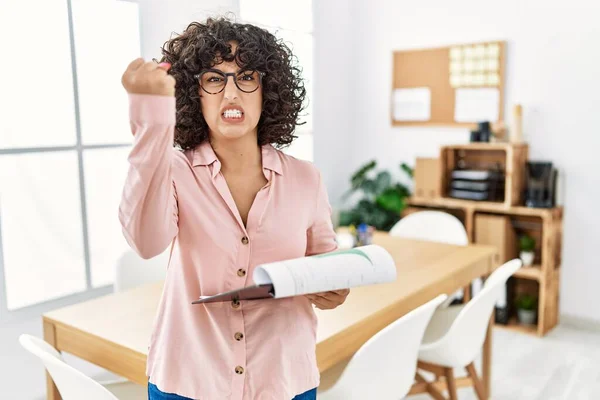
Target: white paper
pixel 364 265
pixel 476 105
pixel 412 104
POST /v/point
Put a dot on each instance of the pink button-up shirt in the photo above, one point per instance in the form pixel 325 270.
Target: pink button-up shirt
pixel 255 350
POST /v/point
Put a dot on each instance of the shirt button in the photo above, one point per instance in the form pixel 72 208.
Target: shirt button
pixel 235 303
pixel 239 370
pixel 245 240
pixel 241 272
pixel 238 336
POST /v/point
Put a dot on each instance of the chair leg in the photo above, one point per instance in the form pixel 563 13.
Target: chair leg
pixel 476 382
pixel 430 388
pixel 451 384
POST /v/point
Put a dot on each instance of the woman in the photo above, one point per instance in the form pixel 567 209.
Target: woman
pixel 225 200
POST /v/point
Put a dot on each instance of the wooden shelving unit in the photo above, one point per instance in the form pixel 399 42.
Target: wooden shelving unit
pixel 484 206
pixel 546 273
pixel 545 225
pixel 513 325
pixel 509 159
pixel 534 272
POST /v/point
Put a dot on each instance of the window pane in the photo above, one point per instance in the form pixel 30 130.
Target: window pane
pixel 302 147
pixel 278 13
pixel 37 88
pixel 40 222
pixel 105 171
pixel 101 60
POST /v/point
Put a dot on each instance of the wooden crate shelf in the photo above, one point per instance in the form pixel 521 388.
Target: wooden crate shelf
pixel 533 272
pixel 513 325
pixel 545 224
pixel 486 206
pixel 507 158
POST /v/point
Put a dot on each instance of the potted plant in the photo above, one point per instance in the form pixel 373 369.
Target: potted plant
pixel 527 247
pixel 526 309
pixel 382 200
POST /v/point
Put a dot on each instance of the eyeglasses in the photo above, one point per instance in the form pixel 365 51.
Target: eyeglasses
pixel 213 81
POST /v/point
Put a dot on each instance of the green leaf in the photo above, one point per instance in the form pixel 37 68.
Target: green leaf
pixel 392 219
pixel 383 181
pixel 382 202
pixel 402 190
pixel 347 194
pixel 527 243
pixel 360 175
pixel 526 302
pixel 348 218
pixel 407 169
pixel 378 218
pixel 364 209
pixel 369 186
pixel 391 200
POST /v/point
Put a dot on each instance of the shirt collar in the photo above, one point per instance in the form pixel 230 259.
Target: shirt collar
pixel 205 155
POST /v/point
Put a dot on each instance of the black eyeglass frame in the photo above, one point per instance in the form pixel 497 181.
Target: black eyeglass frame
pixel 227 75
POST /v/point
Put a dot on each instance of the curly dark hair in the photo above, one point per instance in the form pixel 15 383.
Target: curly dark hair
pixel 204 45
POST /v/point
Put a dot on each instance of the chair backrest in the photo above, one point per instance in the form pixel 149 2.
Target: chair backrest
pixel 435 226
pixel 464 340
pixel 132 270
pixel 71 383
pixel 502 273
pixel 384 367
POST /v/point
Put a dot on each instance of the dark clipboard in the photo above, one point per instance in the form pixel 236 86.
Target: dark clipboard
pixel 256 292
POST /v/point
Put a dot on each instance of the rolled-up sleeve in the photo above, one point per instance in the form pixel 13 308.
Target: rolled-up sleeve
pixel 148 210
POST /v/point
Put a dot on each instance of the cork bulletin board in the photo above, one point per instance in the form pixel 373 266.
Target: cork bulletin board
pixel 457 85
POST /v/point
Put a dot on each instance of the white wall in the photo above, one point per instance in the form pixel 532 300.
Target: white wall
pixel 333 116
pixel 553 64
pixel 159 18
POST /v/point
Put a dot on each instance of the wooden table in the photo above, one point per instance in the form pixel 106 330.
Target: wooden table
pixel 112 331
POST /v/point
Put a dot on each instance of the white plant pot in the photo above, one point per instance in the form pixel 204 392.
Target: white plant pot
pixel 527 317
pixel 527 257
pixel 345 240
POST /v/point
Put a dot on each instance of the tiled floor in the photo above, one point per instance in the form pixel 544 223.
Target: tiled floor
pixel 564 365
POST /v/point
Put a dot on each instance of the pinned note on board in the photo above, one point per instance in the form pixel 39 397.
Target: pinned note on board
pixel 476 104
pixel 475 65
pixel 412 104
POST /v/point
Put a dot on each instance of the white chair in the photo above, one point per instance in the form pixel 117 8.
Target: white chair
pixel 384 367
pixel 132 270
pixel 433 226
pixel 455 335
pixel 73 384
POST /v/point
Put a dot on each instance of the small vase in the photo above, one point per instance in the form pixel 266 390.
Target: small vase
pixel 527 317
pixel 527 257
pixel 345 240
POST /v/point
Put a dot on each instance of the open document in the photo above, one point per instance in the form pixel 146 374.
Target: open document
pixel 360 266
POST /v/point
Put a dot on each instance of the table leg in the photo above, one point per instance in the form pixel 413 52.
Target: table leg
pixel 467 294
pixel 487 360
pixel 50 337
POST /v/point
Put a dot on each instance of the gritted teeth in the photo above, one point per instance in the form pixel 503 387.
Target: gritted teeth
pixel 232 114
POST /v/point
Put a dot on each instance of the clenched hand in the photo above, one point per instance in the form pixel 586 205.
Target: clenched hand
pixel 148 78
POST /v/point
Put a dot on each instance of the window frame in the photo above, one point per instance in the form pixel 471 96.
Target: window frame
pixel 34 310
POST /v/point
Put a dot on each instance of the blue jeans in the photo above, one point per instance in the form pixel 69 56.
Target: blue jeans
pixel 155 394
